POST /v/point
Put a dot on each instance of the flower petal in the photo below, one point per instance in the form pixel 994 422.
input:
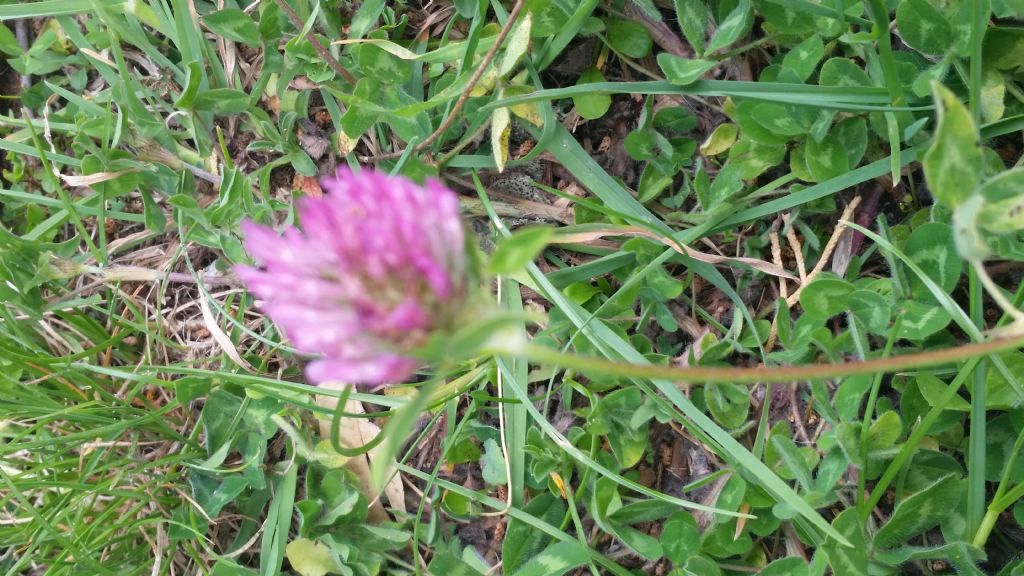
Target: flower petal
pixel 376 267
pixel 374 371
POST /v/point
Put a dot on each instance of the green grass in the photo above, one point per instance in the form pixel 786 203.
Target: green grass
pixel 154 421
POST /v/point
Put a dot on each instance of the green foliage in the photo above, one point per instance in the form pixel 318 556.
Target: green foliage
pixel 952 163
pixel 515 252
pixel 591 106
pixel 163 408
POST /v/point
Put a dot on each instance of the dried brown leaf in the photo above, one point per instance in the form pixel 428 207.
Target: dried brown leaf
pixel 592 233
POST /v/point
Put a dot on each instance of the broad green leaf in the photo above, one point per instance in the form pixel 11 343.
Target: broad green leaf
pixel 492 464
pixel 754 158
pixel 872 309
pixel 926 468
pixel 531 111
pixel 733 494
pixel 644 144
pixel 307 27
pixel 843 72
pixel 922 319
pixel 594 105
pixel 381 65
pixel 645 545
pixel 848 560
pixel 614 418
pixel 967 229
pixel 674 119
pixel 516 251
pixel 953 553
pixel 467 8
pixel 728 182
pixel 751 126
pixel 999 395
pixel 1003 211
pixel 792 566
pixel 798 163
pixel 920 512
pixel 735 26
pixel 1008 9
pixel 781 119
pixel 932 247
pixel 1004 47
pixel 9 42
pixel 188 388
pixel 787 18
pixel 222 101
pixel 828 158
pixel 522 541
pixel 797 463
pixel 803 58
pixel 825 297
pixel 516 45
pixel 934 389
pixel 700 566
pixel 359 118
pixel 556 560
pixel 548 18
pixel 692 16
pixel 233 24
pixel 365 17
pixel 822 122
pixel 1000 438
pixel 653 181
pixel 755 334
pixel 311 558
pixel 848 439
pixel 923 27
pixel 449 564
pixel 683 71
pixel 193 78
pixel 720 140
pixel 953 163
pixel 885 431
pixel 629 38
pixel 501 130
pixel 848 397
pixel 721 541
pixel 728 403
pixel 993 95
pixel 680 538
pixel 961 16
pixel 853 133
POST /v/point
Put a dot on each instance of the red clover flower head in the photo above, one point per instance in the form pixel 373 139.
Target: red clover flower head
pixel 379 266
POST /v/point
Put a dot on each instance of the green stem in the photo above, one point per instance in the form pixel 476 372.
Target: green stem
pixel 891 77
pixel 981 525
pixel 985 528
pixel 920 430
pixel 709 374
pixel 880 16
pixel 1008 499
pixel 69 206
pixel 976 438
pixel 869 409
pixel 979 23
pixel 1004 496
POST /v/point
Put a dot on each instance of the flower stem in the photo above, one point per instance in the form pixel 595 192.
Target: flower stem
pixel 715 374
pixel 987 523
